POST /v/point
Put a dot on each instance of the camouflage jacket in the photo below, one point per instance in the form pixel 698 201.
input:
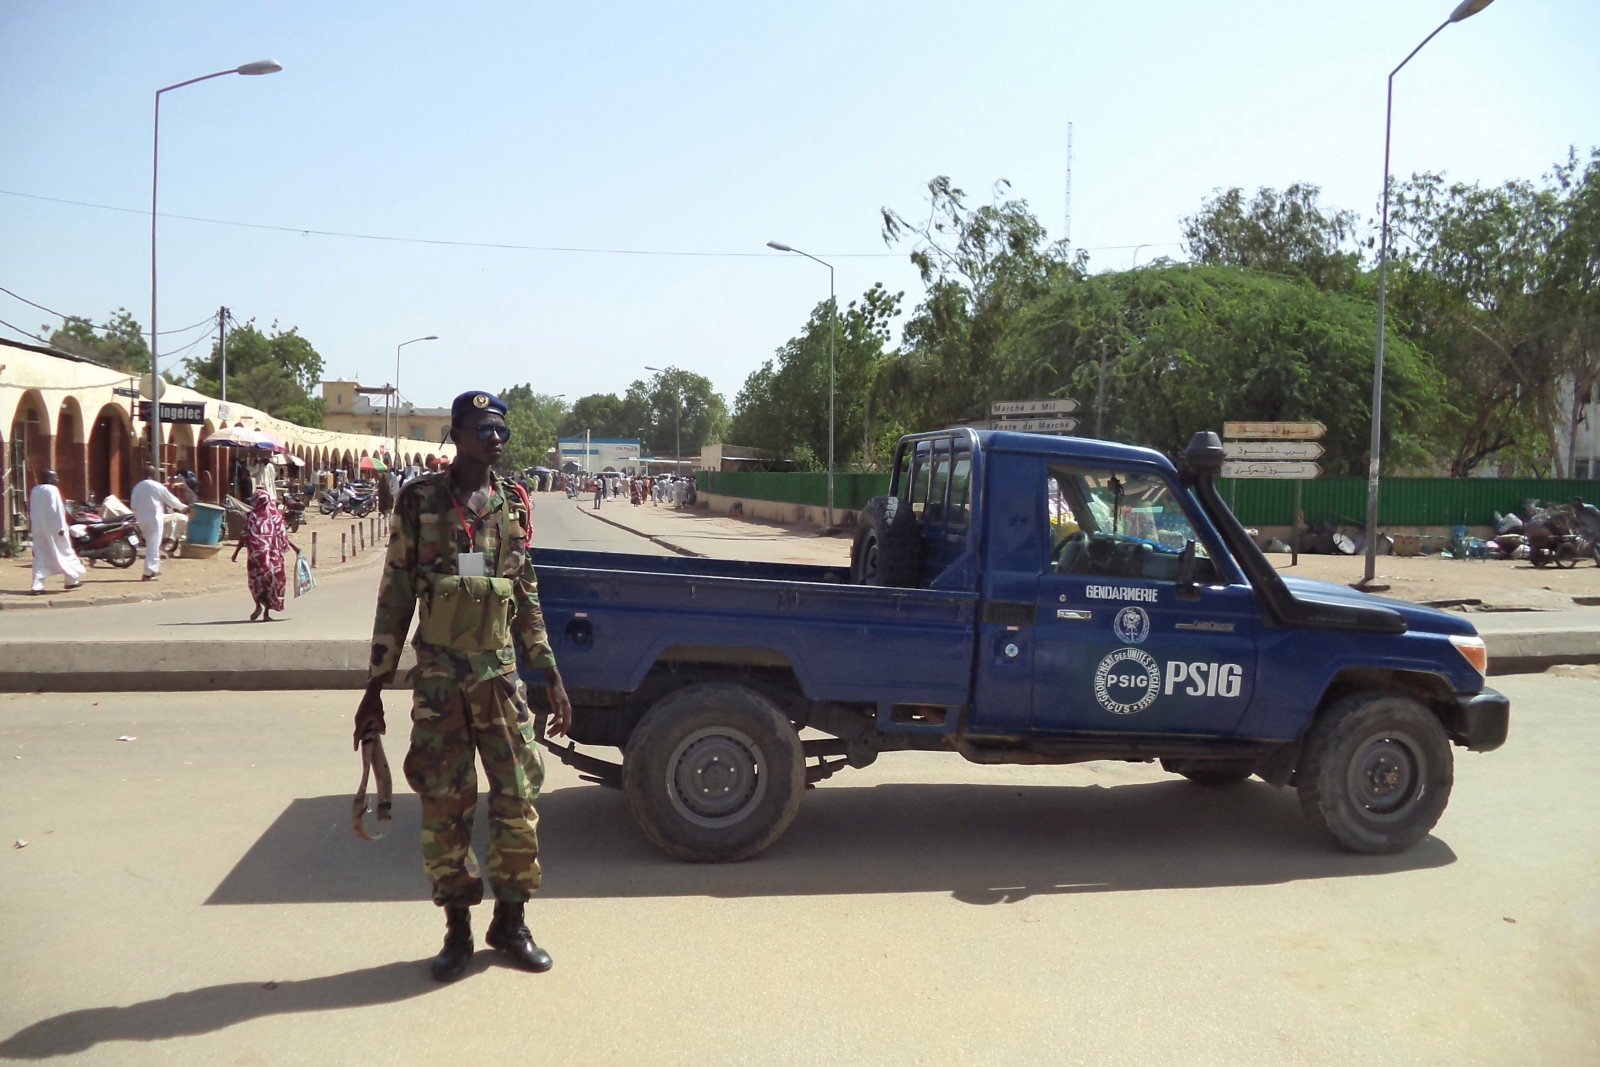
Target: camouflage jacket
pixel 427 536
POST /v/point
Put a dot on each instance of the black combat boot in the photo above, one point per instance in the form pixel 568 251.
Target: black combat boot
pixel 457 952
pixel 509 934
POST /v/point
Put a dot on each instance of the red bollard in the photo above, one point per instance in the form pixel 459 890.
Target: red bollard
pixel 313 550
pixel 342 556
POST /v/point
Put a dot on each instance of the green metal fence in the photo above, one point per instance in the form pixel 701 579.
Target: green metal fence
pixel 1403 502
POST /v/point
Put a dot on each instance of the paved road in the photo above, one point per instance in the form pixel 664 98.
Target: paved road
pixel 921 911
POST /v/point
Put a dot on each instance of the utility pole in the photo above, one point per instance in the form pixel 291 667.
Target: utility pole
pixel 1066 230
pixel 1100 404
pixel 222 344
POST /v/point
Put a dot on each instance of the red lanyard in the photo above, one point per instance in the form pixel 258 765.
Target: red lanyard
pixel 465 526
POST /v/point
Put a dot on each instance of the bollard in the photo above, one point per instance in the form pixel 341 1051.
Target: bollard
pixel 341 548
pixel 352 539
pixel 362 534
pixel 313 550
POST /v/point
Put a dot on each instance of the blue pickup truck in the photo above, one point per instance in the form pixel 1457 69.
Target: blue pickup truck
pixel 1017 598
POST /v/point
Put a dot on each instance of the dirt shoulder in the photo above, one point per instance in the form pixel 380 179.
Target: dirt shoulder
pixel 1498 585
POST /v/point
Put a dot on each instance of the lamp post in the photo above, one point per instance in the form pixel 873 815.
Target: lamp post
pixel 260 66
pixel 833 318
pixel 1465 10
pixel 677 393
pixel 397 348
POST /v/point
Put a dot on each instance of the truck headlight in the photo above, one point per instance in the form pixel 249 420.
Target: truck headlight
pixel 1473 649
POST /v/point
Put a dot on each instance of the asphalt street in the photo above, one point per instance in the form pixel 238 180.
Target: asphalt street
pixel 196 896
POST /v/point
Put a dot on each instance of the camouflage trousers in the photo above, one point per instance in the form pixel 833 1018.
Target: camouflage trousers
pixel 453 721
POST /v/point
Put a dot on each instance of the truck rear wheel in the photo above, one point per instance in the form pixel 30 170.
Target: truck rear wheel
pixel 1376 772
pixel 888 545
pixel 714 773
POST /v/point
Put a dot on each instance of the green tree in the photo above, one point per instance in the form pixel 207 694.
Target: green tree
pixel 1190 347
pixel 534 419
pixel 119 342
pixel 602 415
pixel 676 411
pixel 979 267
pixel 783 406
pixel 1286 233
pixel 1476 282
pixel 275 372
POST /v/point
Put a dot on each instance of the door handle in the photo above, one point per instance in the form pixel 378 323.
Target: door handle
pixel 1072 613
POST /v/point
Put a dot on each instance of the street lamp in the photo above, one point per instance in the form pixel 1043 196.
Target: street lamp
pixel 397 348
pixel 677 392
pixel 260 66
pixel 833 316
pixel 1465 10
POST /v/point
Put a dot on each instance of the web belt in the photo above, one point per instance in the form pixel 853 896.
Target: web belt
pixel 373 762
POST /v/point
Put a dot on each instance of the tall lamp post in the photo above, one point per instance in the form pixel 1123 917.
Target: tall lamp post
pixel 1465 10
pixel 833 318
pixel 397 348
pixel 260 66
pixel 677 393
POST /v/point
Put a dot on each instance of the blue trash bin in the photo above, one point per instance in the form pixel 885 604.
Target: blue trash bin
pixel 205 524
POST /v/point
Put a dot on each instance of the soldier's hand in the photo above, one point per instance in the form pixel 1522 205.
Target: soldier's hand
pixel 560 705
pixel 369 714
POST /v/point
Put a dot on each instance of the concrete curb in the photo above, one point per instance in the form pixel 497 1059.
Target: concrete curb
pixel 679 549
pixel 26 603
pixel 188 666
pixel 1532 651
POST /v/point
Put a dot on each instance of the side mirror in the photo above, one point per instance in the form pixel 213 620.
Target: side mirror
pixel 1187 590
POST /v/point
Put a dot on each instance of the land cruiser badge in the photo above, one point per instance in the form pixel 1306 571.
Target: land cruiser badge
pixel 1127 681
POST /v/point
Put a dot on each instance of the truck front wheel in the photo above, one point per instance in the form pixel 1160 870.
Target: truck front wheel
pixel 1376 772
pixel 714 773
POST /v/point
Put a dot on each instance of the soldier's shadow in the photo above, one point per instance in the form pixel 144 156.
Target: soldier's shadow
pixel 201 1011
pixel 982 844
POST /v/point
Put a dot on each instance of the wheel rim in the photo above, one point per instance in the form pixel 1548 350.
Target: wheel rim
pixel 1387 776
pixel 716 777
pixel 869 558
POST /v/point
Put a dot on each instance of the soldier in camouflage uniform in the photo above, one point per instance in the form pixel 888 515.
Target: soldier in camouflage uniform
pixel 448 527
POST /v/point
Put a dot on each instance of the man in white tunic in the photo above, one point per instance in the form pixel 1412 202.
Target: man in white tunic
pixel 52 544
pixel 150 500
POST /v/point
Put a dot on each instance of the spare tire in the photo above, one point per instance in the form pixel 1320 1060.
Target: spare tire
pixel 888 545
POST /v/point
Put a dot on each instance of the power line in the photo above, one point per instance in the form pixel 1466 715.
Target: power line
pixel 23 332
pixel 207 321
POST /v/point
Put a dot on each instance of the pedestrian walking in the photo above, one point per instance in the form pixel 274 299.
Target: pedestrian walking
pixel 150 501
pixel 459 549
pixel 599 492
pixel 52 542
pixel 266 539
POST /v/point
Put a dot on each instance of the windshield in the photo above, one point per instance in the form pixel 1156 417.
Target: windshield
pixel 1126 524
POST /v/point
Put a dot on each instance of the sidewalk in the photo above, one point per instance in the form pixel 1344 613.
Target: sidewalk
pixel 698 532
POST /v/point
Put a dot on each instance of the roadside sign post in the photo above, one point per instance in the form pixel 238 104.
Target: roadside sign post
pixel 1275 450
pixel 1034 416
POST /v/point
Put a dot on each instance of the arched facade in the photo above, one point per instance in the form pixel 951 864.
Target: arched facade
pixel 71 451
pixel 110 454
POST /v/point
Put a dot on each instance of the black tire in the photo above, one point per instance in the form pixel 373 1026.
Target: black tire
pixel 362 509
pixel 327 508
pixel 1211 772
pixel 888 545
pixel 756 765
pixel 120 553
pixel 1376 772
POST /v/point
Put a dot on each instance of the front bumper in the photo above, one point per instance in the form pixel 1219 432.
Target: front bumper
pixel 1480 720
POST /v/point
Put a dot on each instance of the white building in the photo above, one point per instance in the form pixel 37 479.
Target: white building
pixel 596 454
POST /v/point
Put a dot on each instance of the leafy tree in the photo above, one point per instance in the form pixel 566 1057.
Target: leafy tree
pixel 533 419
pixel 1286 233
pixel 601 415
pixel 1476 283
pixel 980 266
pixel 276 373
pixel 119 342
pixel 676 410
pixel 1190 347
pixel 783 407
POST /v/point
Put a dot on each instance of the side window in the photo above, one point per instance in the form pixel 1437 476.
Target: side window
pixel 960 490
pixel 919 479
pixel 938 484
pixel 1118 524
pixel 902 480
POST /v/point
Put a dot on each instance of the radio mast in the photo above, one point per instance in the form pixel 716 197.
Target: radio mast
pixel 1066 232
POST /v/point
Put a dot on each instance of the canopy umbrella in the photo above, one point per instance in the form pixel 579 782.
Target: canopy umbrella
pixel 244 437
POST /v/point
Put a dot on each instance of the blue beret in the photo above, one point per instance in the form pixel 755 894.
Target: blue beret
pixel 477 400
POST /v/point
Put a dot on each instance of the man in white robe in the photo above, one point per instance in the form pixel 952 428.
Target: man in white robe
pixel 150 502
pixel 52 543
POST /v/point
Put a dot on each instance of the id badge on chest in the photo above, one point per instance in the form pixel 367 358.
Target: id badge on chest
pixel 470 564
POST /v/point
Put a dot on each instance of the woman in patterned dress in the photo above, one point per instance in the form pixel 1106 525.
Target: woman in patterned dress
pixel 266 539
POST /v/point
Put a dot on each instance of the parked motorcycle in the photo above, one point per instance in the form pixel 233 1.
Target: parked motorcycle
pixel 294 513
pixel 114 540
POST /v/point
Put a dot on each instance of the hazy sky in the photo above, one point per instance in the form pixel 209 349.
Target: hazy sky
pixel 705 128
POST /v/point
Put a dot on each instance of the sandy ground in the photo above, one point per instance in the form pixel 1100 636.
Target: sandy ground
pixel 191 577
pixel 1505 585
pixel 196 896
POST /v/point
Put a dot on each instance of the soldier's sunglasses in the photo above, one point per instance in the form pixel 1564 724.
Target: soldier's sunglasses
pixel 499 433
